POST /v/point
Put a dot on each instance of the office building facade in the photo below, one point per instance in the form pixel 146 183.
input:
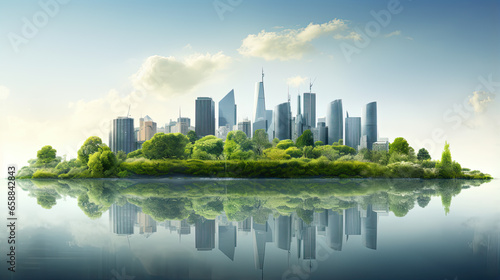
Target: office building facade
pixel 309 110
pixel 227 110
pixel 334 121
pixel 283 121
pixel 369 124
pixel 122 136
pixel 205 116
pixel 147 128
pixel 352 131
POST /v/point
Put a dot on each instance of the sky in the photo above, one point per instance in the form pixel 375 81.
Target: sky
pixel 69 67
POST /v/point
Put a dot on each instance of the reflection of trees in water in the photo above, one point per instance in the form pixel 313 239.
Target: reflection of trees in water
pixel 240 199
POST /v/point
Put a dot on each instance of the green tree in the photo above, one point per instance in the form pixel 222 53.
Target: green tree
pixel 136 154
pixel 276 154
pixel 47 200
pixel 208 147
pixel 192 137
pixel 260 141
pixel 446 167
pixel 275 142
pixel 46 155
pixel 163 146
pixel 344 150
pixel 237 145
pixel 319 143
pixel 399 145
pixel 121 156
pixel 306 139
pixel 90 146
pixel 103 163
pixel 423 154
pixel 285 144
pixel 294 152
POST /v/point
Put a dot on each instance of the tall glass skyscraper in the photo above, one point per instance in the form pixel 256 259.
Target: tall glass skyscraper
pixel 205 116
pixel 369 124
pixel 227 110
pixel 283 121
pixel 122 136
pixel 334 121
pixel 309 110
pixel 260 115
pixel 352 131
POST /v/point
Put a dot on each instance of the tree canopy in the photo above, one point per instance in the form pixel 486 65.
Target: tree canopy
pixel 261 141
pixel 306 139
pixel 208 147
pixel 399 145
pixel 90 146
pixel 46 155
pixel 423 154
pixel 163 146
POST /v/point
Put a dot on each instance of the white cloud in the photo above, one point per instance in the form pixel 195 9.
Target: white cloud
pixel 296 81
pixel 4 92
pixel 167 76
pixel 394 33
pixel 351 36
pixel 480 100
pixel 288 44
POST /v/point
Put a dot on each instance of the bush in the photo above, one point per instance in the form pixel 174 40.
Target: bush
pixel 43 174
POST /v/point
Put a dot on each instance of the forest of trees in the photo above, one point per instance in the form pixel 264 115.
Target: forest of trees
pixel 239 156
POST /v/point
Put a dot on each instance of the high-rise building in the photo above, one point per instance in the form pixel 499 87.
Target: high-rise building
pixel 369 124
pixel 227 110
pixel 227 240
pixel 182 125
pixel 335 230
pixel 205 235
pixel 334 121
pixel 283 229
pixel 352 221
pixel 298 122
pixel 122 218
pixel 245 126
pixel 310 110
pixel 147 128
pixel 260 115
pixel 269 118
pixel 352 131
pixel 122 136
pixel 283 121
pixel 146 223
pixel 205 116
pixel 369 225
pixel 320 133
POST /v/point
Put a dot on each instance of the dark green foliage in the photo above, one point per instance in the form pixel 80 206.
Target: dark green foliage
pixel 90 209
pixel 90 146
pixel 306 139
pixel 344 150
pixel 136 154
pixel 423 154
pixel 163 146
pixel 192 137
pixel 260 141
pixel 103 163
pixel 423 201
pixel 40 174
pixel 319 143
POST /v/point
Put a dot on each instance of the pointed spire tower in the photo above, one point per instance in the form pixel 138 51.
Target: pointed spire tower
pixel 259 117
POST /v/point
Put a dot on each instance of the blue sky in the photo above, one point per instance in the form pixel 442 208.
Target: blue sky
pixel 80 67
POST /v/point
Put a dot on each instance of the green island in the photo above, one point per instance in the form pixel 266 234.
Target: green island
pixel 177 199
pixel 178 155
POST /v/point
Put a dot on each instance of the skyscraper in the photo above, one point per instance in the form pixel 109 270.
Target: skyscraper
pixel 182 125
pixel 122 218
pixel 352 131
pixel 369 225
pixel 204 234
pixel 283 121
pixel 369 124
pixel 147 128
pixel 205 116
pixel 335 230
pixel 298 128
pixel 309 110
pixel 227 110
pixel 122 136
pixel 259 116
pixel 334 121
pixel 245 126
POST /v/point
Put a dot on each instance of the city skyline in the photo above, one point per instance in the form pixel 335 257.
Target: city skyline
pixel 433 73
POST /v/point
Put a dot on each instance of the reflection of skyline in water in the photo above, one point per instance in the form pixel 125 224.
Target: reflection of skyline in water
pixel 271 237
pixel 281 230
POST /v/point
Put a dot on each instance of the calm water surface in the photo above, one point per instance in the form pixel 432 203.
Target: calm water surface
pixel 255 229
